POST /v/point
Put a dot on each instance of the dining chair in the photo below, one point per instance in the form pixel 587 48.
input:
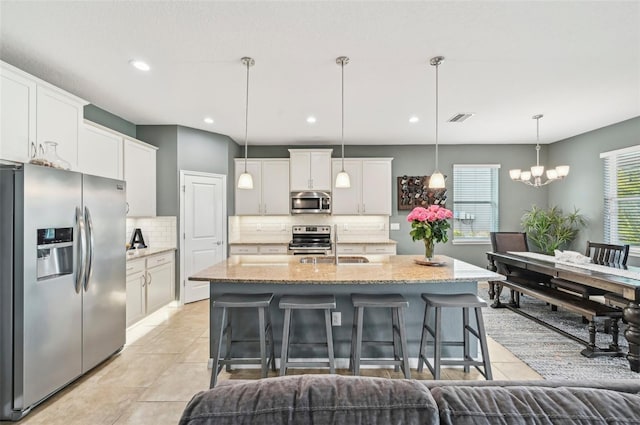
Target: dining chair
pixel 515 242
pixel 607 254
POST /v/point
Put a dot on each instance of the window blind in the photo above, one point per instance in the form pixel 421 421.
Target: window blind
pixel 622 197
pixel 475 202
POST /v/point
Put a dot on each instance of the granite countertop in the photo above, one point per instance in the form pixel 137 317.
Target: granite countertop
pixel 133 254
pixel 382 269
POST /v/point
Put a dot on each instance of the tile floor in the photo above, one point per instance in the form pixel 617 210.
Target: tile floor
pixel 165 363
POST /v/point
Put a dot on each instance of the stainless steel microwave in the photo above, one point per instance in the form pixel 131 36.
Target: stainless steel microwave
pixel 310 203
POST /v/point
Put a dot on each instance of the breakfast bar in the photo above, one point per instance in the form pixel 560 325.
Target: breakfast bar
pixel 287 274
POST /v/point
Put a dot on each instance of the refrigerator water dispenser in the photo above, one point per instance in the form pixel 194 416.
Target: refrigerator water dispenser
pixel 55 252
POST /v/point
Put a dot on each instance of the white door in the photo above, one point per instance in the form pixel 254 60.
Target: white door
pixel 204 215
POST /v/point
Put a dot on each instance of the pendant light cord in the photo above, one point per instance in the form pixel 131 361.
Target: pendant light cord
pixel 437 66
pixel 342 106
pixel 246 116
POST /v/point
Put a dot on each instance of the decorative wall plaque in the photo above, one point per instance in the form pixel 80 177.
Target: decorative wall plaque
pixel 413 191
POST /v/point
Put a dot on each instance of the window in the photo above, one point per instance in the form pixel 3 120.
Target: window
pixel 622 197
pixel 475 202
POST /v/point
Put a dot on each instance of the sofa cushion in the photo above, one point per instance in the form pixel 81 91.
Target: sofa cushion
pixel 314 399
pixel 535 405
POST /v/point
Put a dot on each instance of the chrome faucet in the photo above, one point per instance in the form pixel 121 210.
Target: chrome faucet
pixel 335 243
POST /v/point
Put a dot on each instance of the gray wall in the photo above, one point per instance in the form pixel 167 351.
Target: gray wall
pixel 107 119
pixel 514 198
pixel 584 187
pixel 184 148
pixel 165 137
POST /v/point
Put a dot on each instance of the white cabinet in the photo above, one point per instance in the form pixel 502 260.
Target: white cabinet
pixel 100 152
pixel 270 193
pixel 370 191
pixel 150 285
pixel 17 115
pixel 310 169
pixel 366 248
pixel 160 281
pixel 259 249
pixel 140 175
pixel 58 120
pixel 136 284
pixel 33 111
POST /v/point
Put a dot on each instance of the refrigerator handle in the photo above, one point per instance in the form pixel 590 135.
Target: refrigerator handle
pixel 80 250
pixel 90 240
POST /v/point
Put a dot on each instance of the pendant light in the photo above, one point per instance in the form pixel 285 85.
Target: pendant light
pixel 558 173
pixel 342 179
pixel 245 181
pixel 436 181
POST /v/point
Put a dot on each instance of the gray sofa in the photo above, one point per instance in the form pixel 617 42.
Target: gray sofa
pixel 332 399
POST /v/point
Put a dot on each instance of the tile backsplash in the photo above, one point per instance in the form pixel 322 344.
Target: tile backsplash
pixel 158 232
pixel 277 229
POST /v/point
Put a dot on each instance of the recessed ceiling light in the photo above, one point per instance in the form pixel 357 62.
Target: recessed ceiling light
pixel 208 120
pixel 311 119
pixel 414 119
pixel 141 65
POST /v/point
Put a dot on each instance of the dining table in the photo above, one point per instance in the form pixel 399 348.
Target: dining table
pixel 623 281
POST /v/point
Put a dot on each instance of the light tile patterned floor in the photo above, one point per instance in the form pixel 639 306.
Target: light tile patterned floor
pixel 165 363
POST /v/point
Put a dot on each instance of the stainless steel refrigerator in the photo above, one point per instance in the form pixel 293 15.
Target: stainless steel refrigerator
pixel 62 280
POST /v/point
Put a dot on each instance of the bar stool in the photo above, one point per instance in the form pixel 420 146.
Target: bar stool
pixel 464 301
pixel 306 302
pixel 397 303
pixel 262 303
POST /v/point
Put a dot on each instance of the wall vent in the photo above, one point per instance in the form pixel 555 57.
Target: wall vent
pixel 461 117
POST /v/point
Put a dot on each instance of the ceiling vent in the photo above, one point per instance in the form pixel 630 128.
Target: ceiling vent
pixel 460 117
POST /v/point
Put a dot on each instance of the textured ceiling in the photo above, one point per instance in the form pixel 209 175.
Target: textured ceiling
pixel 576 62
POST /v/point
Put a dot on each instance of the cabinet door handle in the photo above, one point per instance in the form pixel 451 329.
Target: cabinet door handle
pixel 149 281
pixel 33 149
pixel 143 280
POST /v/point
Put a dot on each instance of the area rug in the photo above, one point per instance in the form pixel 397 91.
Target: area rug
pixel 549 353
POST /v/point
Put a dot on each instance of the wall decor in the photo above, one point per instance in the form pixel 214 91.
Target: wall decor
pixel 413 191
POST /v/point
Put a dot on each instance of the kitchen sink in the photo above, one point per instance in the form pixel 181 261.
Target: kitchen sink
pixel 331 260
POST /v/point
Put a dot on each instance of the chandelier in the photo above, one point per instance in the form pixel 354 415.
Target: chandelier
pixel 534 177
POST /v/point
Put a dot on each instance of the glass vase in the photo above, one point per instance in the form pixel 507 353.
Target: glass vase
pixel 428 249
pixel 48 157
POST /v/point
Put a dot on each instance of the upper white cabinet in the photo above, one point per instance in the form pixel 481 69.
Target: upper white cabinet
pixel 310 169
pixel 32 112
pixel 17 115
pixel 140 175
pixel 270 193
pixel 370 191
pixel 58 120
pixel 100 152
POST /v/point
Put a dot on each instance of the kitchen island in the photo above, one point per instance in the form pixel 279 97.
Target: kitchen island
pixel 285 274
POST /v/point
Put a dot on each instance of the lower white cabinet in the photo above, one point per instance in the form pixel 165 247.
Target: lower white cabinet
pixel 259 249
pixel 150 285
pixel 366 248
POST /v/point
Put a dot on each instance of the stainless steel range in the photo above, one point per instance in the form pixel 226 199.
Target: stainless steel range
pixel 310 240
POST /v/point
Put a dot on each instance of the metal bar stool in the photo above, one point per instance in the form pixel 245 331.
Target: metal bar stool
pixel 306 302
pixel 226 302
pixel 397 303
pixel 464 301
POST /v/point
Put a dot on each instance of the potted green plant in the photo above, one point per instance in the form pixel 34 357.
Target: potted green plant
pixel 551 229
